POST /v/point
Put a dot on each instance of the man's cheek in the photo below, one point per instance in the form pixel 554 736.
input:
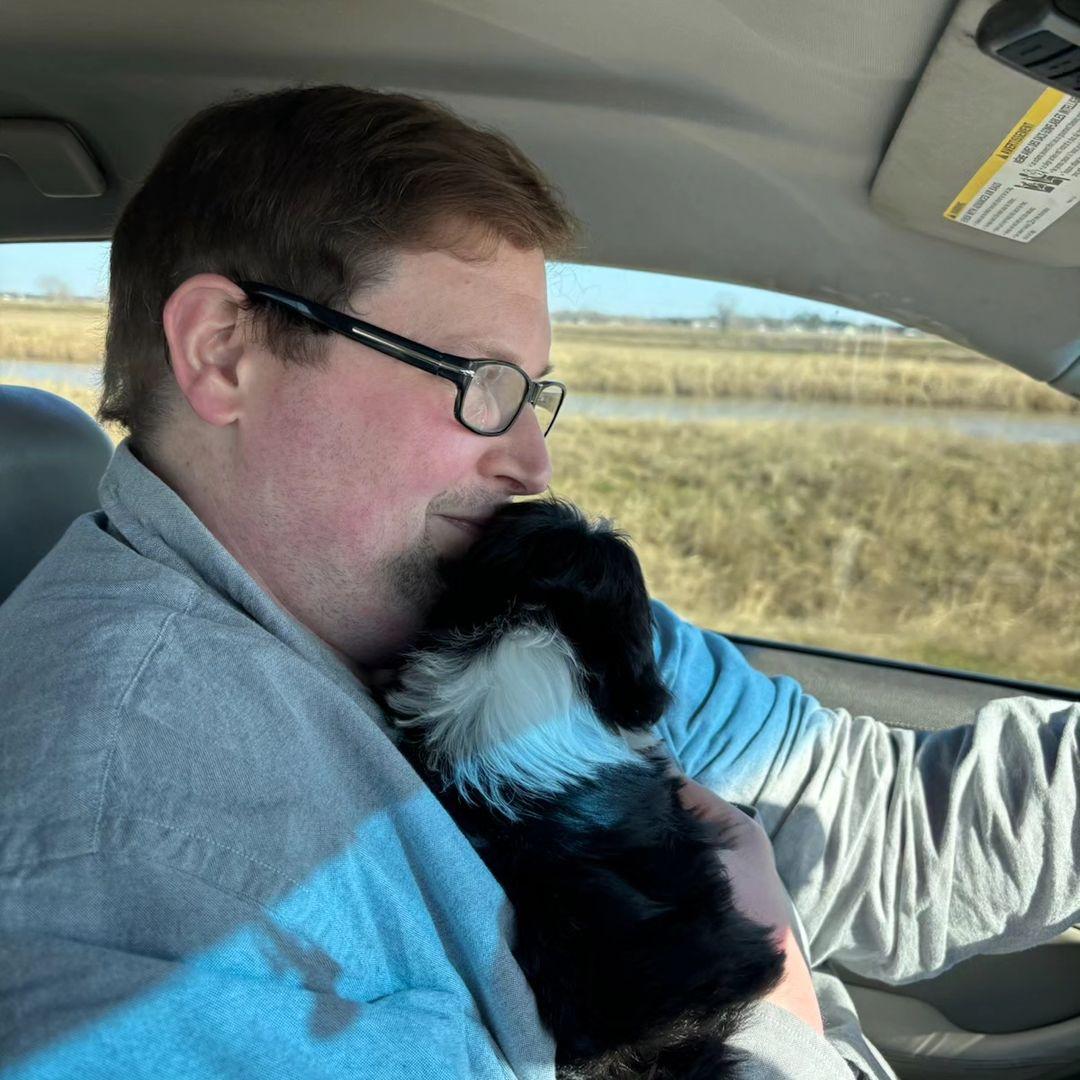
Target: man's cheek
pixel 378 521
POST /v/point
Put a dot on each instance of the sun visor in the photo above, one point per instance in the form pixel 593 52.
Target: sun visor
pixel 985 156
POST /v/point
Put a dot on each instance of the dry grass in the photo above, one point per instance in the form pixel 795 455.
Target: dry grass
pixel 922 546
pixel 867 342
pixel 868 370
pixel 35 330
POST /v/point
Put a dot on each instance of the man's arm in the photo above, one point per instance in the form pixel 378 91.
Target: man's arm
pixel 759 894
pixel 904 852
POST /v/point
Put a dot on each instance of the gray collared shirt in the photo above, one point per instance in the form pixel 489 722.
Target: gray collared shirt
pixel 214 861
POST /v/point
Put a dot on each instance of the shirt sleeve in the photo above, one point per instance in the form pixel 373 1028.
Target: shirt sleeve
pixel 904 852
pixel 111 997
pixel 778 1046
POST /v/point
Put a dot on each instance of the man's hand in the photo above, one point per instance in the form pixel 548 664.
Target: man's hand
pixel 759 894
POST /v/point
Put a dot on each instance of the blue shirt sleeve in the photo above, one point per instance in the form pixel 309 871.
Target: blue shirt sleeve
pixel 903 851
pixel 730 727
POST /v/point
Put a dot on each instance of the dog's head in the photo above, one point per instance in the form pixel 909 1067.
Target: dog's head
pixel 543 562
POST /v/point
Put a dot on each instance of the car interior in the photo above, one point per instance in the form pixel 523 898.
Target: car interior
pixel 811 149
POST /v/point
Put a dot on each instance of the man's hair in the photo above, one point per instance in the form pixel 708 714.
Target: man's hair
pixel 312 190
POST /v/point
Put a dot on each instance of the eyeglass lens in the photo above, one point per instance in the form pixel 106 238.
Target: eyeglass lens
pixel 495 393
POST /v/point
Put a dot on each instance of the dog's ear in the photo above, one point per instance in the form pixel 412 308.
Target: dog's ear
pixel 544 555
pixel 607 617
pixel 526 550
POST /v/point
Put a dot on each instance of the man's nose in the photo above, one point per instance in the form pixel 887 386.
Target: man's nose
pixel 520 456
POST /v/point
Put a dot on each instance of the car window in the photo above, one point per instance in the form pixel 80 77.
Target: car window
pixel 786 470
pixel 53 317
pixel 801 473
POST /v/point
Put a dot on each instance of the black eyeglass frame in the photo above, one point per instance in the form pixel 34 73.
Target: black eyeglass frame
pixel 459 370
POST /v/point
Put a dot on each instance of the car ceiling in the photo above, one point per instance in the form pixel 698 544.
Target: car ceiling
pixel 737 140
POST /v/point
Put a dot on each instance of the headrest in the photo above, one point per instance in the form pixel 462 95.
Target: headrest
pixel 52 456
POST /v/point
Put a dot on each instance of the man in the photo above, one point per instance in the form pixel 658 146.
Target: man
pixel 215 862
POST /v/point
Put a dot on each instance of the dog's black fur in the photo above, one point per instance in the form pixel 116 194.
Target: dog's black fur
pixel 625 926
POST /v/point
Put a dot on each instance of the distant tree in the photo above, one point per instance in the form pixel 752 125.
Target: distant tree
pixel 808 321
pixel 53 288
pixel 725 309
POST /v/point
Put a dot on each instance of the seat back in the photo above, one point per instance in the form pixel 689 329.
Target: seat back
pixel 52 456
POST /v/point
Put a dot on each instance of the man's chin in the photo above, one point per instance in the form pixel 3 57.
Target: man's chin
pixel 408 585
pixel 416 582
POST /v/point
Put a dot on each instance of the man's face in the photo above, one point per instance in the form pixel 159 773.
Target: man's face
pixel 351 476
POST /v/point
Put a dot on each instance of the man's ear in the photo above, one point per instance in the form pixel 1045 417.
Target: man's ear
pixel 202 323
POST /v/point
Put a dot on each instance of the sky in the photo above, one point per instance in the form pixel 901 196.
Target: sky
pixel 84 268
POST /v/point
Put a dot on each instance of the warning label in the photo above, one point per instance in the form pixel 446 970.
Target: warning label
pixel 1032 178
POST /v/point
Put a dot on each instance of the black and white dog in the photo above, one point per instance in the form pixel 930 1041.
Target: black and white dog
pixel 526 707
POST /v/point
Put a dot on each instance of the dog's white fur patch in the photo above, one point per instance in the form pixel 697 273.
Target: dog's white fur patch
pixel 512 716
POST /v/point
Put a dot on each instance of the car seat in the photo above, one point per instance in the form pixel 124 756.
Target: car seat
pixel 52 455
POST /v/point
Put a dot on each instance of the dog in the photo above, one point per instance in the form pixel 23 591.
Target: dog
pixel 526 703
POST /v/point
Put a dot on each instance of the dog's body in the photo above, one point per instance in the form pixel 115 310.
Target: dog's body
pixel 526 707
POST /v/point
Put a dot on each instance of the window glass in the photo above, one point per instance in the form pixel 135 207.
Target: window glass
pixel 787 470
pixel 53 318
pixel 809 474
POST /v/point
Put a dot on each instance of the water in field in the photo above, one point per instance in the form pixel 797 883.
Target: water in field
pixel 1003 426
pixel 29 372
pixel 999 425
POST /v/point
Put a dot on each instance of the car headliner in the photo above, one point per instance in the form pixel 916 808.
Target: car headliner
pixel 736 141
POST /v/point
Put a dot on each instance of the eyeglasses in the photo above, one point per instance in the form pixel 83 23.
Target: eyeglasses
pixel 490 393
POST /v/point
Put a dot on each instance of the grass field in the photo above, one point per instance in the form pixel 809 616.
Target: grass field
pixel 895 542
pixel 921 546
pixel 57 332
pixel 868 370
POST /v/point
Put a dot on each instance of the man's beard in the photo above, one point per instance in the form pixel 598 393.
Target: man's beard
pixel 414 580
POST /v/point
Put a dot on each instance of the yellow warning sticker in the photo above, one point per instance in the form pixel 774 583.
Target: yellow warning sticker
pixel 1032 178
